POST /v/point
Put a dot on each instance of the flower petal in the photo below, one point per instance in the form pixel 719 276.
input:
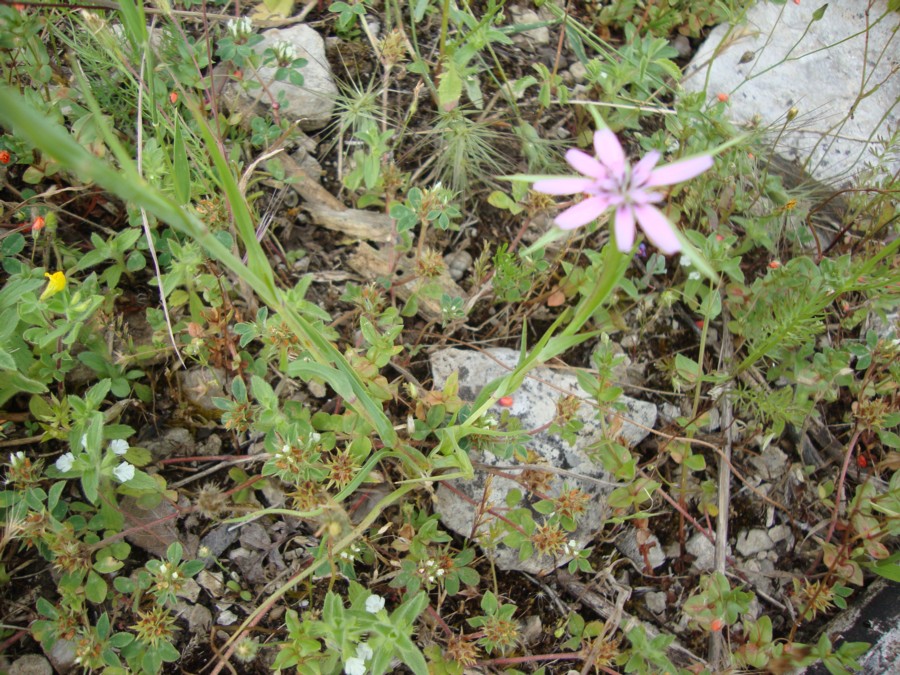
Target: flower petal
pixel 609 150
pixel 677 172
pixel 582 213
pixel 563 186
pixel 624 228
pixel 640 196
pixel 641 170
pixel 585 164
pixel 658 229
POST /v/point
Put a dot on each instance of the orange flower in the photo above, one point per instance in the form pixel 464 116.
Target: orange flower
pixel 38 224
pixel 722 96
pixel 715 625
pixel 774 265
pixel 173 97
pixel 506 401
pixel 5 157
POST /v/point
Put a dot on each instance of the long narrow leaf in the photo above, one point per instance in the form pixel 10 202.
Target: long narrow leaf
pixel 55 142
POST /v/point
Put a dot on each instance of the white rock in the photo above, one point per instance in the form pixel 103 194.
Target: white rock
pixel 309 105
pixel 782 59
pixel 780 533
pixel 703 550
pixel 534 404
pixel 751 542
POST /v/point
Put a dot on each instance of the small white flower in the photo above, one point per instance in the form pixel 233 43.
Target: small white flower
pixel 163 568
pixel 440 572
pixel 239 29
pixel 124 472
pixel 65 462
pixel 284 51
pixel 119 446
pixel 17 459
pixel 364 651
pixel 685 261
pixel 355 666
pixel 374 603
pixel 694 276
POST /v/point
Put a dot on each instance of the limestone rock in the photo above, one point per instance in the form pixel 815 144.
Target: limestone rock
pixel 534 404
pixel 782 58
pixel 311 104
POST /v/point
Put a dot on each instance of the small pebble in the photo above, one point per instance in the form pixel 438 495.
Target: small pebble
pixel 683 46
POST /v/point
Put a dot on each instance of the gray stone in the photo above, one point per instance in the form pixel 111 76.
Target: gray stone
pixel 534 404
pixel 62 656
pixel 682 45
pixel 309 105
pixel 535 37
pixel 578 71
pixel 200 385
pixel 704 552
pixel 656 603
pixel 254 535
pixel 629 546
pixel 174 442
pixel 150 529
pixel 217 540
pixel 751 542
pixel 31 664
pixel 781 59
pixel 771 463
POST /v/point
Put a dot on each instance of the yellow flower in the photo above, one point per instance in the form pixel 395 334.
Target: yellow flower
pixel 55 285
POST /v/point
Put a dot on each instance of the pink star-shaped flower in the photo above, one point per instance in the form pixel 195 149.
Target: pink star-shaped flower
pixel 610 181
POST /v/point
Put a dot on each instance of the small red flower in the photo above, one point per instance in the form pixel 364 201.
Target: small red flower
pixel 5 157
pixel 506 401
pixel 238 74
pixel 861 461
pixel 716 625
pixel 699 323
pixel 173 97
pixel 722 96
pixel 719 237
pixel 774 265
pixel 38 224
pixel 19 6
